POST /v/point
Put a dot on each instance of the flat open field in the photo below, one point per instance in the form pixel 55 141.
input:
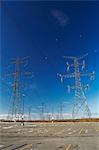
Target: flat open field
pixel 49 136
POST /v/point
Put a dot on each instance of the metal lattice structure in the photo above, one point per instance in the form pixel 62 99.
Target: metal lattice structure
pixel 16 110
pixel 80 106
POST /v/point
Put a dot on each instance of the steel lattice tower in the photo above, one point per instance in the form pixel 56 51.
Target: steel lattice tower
pixel 16 110
pixel 80 106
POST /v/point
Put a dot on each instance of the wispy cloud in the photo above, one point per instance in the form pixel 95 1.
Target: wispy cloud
pixel 61 17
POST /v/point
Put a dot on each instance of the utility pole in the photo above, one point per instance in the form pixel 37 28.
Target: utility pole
pixel 17 105
pixel 53 116
pixel 29 117
pixel 42 110
pixel 61 111
pixel 80 106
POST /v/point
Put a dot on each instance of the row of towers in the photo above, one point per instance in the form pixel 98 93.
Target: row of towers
pixel 80 105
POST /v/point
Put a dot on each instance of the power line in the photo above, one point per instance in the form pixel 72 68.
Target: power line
pixel 33 42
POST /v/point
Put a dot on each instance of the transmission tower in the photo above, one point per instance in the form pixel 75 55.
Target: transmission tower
pixel 80 106
pixel 42 111
pixel 17 103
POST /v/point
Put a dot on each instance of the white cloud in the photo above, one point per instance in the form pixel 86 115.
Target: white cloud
pixel 61 17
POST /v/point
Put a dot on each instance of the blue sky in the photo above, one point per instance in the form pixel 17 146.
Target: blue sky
pixel 46 31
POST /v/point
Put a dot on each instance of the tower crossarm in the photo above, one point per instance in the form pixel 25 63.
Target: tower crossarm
pixel 64 76
pixel 23 74
pixel 73 58
pixel 88 74
pixel 26 73
pixel 81 57
pixel 18 60
pixel 10 74
pixel 69 57
pixel 69 75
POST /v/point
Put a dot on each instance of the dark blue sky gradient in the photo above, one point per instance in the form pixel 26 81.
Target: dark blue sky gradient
pixel 30 29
